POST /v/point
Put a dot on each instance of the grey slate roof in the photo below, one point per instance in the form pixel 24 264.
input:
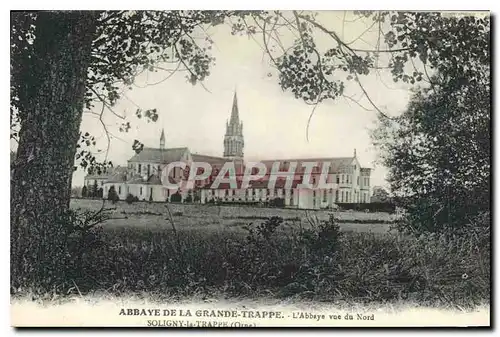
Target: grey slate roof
pixel 336 165
pixel 154 180
pixel 119 175
pixel 208 159
pixel 135 179
pixel 159 156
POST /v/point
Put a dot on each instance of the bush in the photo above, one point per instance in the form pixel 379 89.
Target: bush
pixel 277 202
pixel 112 195
pixel 131 199
pixel 84 192
pixel 70 242
pixel 176 197
pixel 315 261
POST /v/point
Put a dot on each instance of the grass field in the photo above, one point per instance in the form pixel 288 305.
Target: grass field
pixel 227 218
pixel 249 252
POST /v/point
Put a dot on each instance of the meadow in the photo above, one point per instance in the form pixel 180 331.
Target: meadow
pixel 189 250
pixel 226 218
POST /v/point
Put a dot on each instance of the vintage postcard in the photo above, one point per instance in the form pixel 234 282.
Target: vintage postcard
pixel 244 169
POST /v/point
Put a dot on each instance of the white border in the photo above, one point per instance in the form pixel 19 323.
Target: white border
pixel 186 4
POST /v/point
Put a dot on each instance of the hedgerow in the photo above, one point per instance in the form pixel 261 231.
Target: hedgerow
pixel 319 262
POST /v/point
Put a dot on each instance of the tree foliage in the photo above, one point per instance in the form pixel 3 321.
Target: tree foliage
pixel 379 194
pixel 438 151
pixel 127 44
pixel 113 195
pixel 412 45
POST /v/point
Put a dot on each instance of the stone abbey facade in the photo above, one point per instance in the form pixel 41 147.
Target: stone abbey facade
pixel 348 181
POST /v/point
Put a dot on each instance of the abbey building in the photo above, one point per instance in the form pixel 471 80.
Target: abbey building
pixel 348 181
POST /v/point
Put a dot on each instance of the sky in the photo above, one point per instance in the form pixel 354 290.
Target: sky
pixel 274 121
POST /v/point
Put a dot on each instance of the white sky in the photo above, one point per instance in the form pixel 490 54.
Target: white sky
pixel 274 121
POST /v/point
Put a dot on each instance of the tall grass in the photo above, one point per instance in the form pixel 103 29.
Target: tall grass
pixel 319 262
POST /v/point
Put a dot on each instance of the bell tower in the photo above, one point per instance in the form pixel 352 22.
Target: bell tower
pixel 233 140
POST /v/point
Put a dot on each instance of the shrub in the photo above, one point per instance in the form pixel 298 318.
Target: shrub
pixel 131 199
pixel 265 230
pixel 176 197
pixel 84 191
pixel 315 261
pixel 73 239
pixel 94 190
pixel 277 202
pixel 112 195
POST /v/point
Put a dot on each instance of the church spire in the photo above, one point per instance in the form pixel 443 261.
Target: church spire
pixel 162 139
pixel 233 140
pixel 235 118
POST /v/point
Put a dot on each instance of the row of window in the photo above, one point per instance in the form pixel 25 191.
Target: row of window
pixel 147 169
pixel 96 182
pixel 340 196
pixel 234 146
pixel 285 166
pixel 347 179
pixel 127 190
pixel 177 172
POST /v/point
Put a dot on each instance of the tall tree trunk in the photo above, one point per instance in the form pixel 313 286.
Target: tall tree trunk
pixel 42 172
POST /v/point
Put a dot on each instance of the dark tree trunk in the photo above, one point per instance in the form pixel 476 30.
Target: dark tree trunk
pixel 41 174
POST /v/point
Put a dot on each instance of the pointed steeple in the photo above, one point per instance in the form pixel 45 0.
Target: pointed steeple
pixel 162 139
pixel 354 152
pixel 233 140
pixel 235 118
